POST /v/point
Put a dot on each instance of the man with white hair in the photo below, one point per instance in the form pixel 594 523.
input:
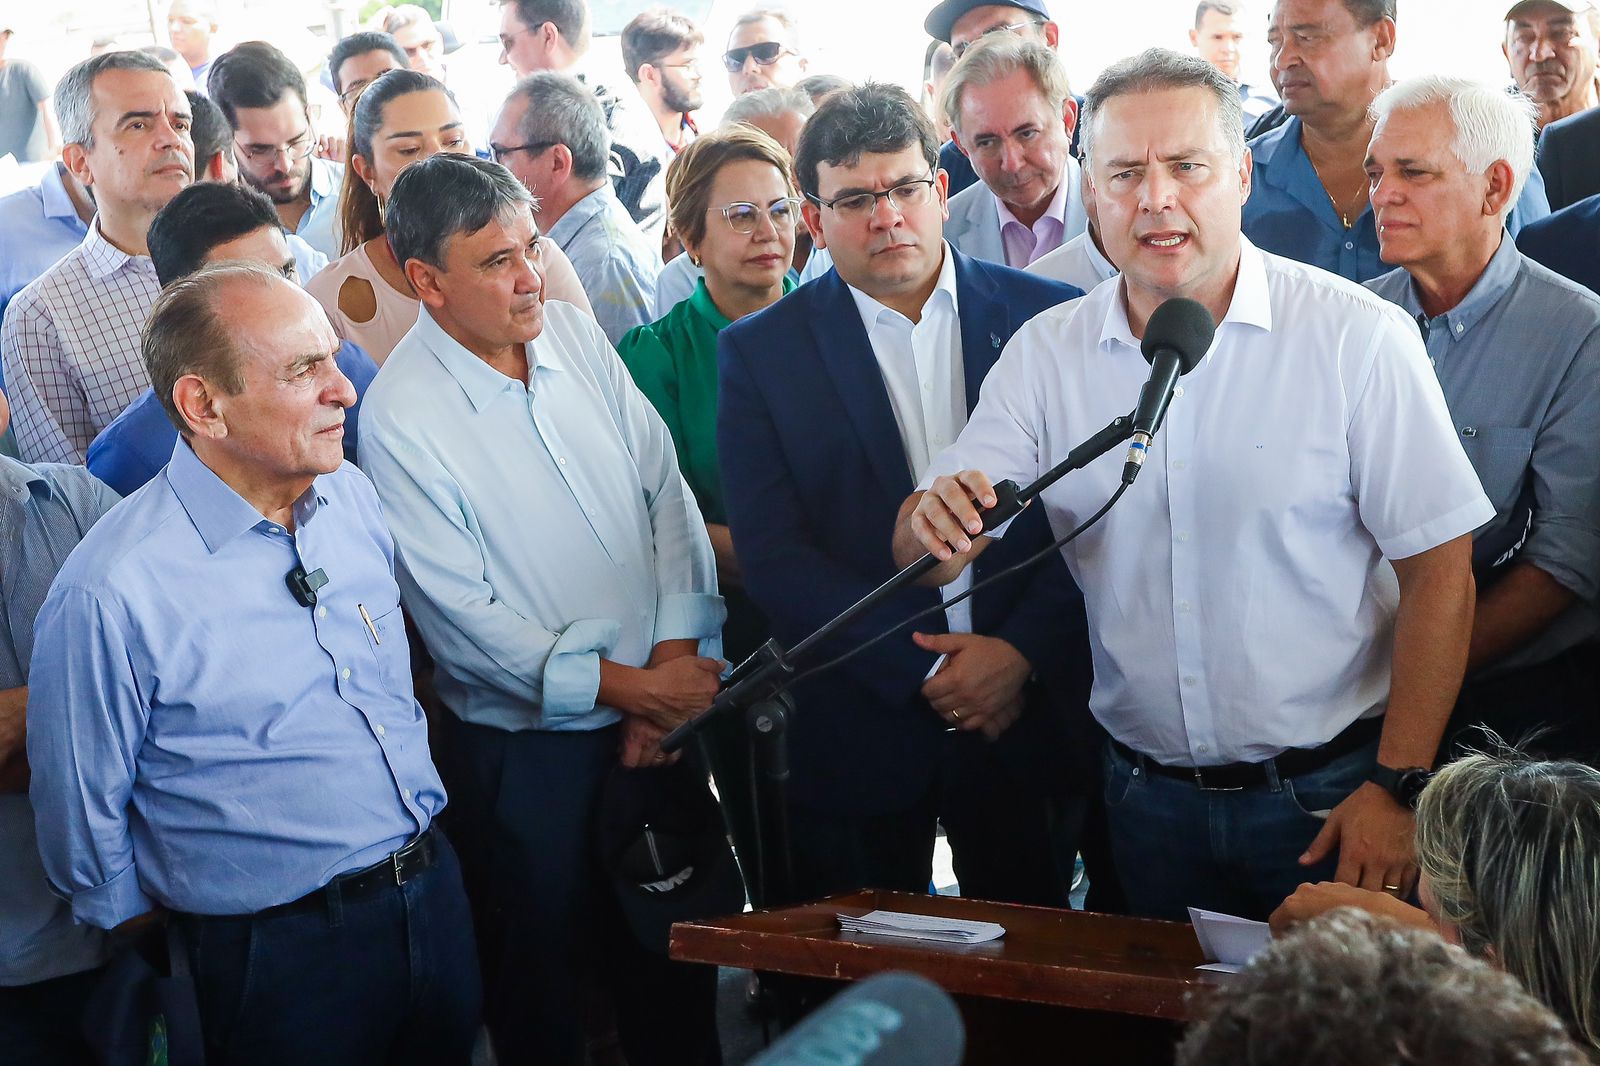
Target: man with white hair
pixel 1517 351
pixel 1012 114
pixel 1279 609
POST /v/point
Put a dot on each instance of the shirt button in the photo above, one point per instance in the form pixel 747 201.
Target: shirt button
pixel 322 612
pixel 1183 606
pixel 1179 464
pixel 562 461
pixel 382 732
pixel 345 673
pixel 1183 538
pixel 405 794
pixel 1177 390
pixel 1460 327
pixel 1202 748
pixel 1189 679
pixel 1349 245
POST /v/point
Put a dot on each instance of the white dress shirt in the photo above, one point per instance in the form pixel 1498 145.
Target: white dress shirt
pixel 539 526
pixel 922 370
pixel 1239 599
pixel 1078 262
pixel 70 348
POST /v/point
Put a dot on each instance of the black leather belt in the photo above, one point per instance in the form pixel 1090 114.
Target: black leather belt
pixel 1241 775
pixel 396 870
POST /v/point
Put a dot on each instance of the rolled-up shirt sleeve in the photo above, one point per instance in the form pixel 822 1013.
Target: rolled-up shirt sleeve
pixel 1564 541
pixel 443 565
pixel 86 724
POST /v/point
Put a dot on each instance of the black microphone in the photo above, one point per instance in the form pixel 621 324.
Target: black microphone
pixel 304 586
pixel 1175 340
pixel 890 1019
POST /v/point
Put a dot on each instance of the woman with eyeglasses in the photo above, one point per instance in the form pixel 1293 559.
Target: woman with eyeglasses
pixel 401 117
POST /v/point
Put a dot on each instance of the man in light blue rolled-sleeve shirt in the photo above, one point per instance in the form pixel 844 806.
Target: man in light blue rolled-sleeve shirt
pixel 560 573
pixel 220 719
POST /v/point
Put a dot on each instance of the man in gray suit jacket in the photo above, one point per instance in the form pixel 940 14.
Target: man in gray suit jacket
pixel 1012 114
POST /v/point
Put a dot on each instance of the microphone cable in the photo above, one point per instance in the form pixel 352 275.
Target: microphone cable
pixel 1014 568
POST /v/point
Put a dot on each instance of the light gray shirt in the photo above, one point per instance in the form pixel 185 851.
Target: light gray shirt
pixel 44 512
pixel 1519 362
pixel 614 261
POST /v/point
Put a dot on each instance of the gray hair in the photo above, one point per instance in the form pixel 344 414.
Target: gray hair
pixel 1491 124
pixel 186 333
pixel 781 15
pixel 1352 987
pixel 1510 848
pixel 768 103
pixel 74 95
pixel 1157 69
pixel 561 110
pixel 999 55
pixel 443 196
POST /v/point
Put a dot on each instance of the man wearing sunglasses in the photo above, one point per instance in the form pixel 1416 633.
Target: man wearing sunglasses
pixel 764 52
pixel 263 95
pixel 833 401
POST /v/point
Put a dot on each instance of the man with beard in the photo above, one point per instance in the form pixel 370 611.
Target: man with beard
pixel 661 53
pixel 1012 114
pixel 263 96
pixel 70 343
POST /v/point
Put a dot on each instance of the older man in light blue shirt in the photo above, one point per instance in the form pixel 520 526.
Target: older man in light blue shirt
pixel 1517 351
pixel 551 133
pixel 561 574
pixel 221 720
pixel 47 963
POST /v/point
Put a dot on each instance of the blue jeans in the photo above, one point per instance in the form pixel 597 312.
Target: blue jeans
pixel 391 978
pixel 1179 846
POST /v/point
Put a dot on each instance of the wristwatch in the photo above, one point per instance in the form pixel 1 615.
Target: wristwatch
pixel 1405 784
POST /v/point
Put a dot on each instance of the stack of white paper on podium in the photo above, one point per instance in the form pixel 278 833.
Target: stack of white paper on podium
pixel 1228 942
pixel 922 927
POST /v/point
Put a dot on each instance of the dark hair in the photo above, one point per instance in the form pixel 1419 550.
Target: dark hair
pixel 875 117
pixel 359 44
pixel 1352 987
pixel 1221 7
pixel 199 218
pixel 655 34
pixel 160 51
pixel 359 214
pixel 562 110
pixel 445 195
pixel 209 130
pixel 253 74
pixel 1366 12
pixel 571 18
pixel 821 86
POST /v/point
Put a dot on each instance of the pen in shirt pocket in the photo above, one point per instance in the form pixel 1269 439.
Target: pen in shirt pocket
pixel 367 618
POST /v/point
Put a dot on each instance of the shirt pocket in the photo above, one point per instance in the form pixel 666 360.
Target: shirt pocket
pixel 386 638
pixel 1500 455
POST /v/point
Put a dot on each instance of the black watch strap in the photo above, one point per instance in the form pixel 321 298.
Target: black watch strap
pixel 1405 784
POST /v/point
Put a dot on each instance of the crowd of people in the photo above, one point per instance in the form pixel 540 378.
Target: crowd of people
pixel 602 397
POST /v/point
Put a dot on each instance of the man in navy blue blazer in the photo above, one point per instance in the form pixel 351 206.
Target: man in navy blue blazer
pixel 1567 241
pixel 833 402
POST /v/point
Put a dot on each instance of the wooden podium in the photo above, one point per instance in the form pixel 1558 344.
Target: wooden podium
pixel 1061 986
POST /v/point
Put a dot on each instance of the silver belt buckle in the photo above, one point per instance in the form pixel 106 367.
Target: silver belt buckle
pixel 394 863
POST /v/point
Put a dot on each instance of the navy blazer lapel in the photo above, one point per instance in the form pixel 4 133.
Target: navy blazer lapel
pixel 985 323
pixel 845 351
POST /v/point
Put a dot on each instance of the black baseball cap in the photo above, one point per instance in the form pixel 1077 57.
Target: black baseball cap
pixel 664 845
pixel 943 17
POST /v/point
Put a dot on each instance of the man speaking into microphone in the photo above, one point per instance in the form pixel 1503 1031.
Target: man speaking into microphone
pixel 1279 608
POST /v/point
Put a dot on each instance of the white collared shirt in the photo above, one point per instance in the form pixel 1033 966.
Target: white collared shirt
pixel 1239 599
pixel 1078 262
pixel 923 372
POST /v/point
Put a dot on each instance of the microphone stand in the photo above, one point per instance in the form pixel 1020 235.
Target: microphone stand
pixel 758 686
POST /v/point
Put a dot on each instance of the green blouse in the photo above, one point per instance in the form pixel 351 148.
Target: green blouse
pixel 673 360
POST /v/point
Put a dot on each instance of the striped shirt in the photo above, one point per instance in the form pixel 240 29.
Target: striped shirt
pixel 70 348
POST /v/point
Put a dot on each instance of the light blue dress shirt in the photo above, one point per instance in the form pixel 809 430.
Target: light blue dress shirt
pixel 1519 361
pixel 539 527
pixel 38 226
pixel 614 260
pixel 137 444
pixel 198 738
pixel 319 226
pixel 45 511
pixel 1289 212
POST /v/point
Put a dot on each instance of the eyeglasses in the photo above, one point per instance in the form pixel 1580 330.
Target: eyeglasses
pixel 498 152
pixel 859 205
pixel 296 149
pixel 765 54
pixel 744 218
pixel 1015 27
pixel 509 39
pixel 693 66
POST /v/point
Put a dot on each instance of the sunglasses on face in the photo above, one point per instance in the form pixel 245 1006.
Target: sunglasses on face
pixel 765 54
